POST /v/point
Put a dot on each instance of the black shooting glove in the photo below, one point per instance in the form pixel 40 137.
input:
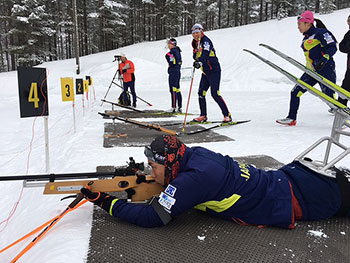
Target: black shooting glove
pixel 320 63
pixel 197 64
pixel 98 198
pixel 124 70
pixel 119 71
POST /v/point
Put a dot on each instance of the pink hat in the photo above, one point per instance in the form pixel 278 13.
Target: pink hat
pixel 307 17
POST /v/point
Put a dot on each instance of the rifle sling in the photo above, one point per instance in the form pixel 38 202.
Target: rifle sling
pixel 163 215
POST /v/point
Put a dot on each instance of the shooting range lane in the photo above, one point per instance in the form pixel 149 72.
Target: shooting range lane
pixel 144 114
pixel 125 134
pixel 198 237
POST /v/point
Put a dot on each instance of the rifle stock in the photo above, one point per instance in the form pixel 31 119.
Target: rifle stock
pixel 116 179
pixel 143 191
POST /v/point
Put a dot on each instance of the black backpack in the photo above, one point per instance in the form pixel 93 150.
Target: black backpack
pixel 126 102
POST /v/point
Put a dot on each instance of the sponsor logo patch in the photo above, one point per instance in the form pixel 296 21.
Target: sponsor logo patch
pixel 166 201
pixel 170 190
pixel 328 37
pixel 206 46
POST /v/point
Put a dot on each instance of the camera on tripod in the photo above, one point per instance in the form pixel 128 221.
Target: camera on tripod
pixel 117 57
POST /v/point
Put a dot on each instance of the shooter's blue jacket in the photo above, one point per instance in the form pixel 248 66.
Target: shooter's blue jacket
pixel 319 42
pixel 238 192
pixel 174 60
pixel 207 55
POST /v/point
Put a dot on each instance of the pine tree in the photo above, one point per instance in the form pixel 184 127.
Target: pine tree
pixel 327 6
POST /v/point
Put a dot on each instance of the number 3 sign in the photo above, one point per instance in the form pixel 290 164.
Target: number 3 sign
pixel 67 87
pixel 32 90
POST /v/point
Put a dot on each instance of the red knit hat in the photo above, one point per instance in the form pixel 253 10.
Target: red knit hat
pixel 307 17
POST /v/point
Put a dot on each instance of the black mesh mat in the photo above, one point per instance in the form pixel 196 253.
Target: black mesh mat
pixel 143 114
pixel 198 237
pixel 125 134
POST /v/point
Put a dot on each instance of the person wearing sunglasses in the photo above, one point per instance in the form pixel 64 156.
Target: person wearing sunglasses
pixel 195 177
pixel 205 58
pixel 319 46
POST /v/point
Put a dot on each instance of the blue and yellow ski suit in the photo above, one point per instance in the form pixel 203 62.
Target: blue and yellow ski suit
pixel 239 192
pixel 174 60
pixel 205 53
pixel 317 44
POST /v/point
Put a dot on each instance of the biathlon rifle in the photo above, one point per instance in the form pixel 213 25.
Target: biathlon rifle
pixel 141 124
pixel 138 185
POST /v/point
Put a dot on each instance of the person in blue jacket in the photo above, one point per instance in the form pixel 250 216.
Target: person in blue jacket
pixel 319 46
pixel 173 57
pixel 344 46
pixel 205 58
pixel 196 177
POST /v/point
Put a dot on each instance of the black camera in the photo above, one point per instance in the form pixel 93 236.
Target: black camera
pixel 117 57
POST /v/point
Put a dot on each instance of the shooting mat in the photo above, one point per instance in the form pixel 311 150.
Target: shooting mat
pixel 198 237
pixel 126 134
pixel 144 114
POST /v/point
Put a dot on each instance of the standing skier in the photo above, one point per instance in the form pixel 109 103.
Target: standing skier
pixel 127 69
pixel 173 57
pixel 205 58
pixel 344 47
pixel 319 46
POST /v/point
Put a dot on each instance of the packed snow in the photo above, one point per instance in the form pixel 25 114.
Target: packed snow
pixel 251 89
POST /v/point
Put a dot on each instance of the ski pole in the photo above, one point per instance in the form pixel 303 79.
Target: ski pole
pixel 70 208
pixel 149 104
pixel 34 231
pixel 27 235
pixel 189 97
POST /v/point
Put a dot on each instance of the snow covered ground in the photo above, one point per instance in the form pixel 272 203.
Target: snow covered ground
pixel 251 89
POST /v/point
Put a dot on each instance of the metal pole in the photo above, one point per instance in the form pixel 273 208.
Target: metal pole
pixel 76 36
pixel 73 106
pixel 47 155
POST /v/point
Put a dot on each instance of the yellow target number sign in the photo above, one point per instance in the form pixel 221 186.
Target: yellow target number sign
pixel 86 86
pixel 67 88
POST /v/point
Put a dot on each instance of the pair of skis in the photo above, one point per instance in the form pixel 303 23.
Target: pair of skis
pixel 169 131
pixel 122 106
pixel 329 100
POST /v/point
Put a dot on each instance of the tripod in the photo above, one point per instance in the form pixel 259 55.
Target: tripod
pixel 120 85
pixel 120 77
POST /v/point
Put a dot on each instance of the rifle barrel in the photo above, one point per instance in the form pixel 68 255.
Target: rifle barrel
pixel 53 177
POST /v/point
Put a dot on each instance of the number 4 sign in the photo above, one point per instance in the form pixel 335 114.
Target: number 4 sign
pixel 32 90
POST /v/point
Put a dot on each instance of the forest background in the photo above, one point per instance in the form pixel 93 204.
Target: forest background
pixel 36 31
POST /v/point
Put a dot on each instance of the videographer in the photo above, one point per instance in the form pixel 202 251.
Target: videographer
pixel 127 69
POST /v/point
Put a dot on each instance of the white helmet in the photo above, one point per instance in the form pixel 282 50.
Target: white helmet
pixel 197 28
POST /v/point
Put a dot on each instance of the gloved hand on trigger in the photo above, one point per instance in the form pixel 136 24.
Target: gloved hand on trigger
pixel 197 64
pixel 98 198
pixel 320 63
